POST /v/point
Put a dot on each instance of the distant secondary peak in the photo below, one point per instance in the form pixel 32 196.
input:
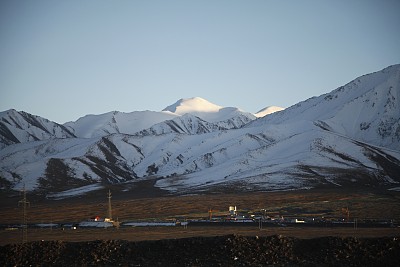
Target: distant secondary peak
pixel 194 104
pixel 268 110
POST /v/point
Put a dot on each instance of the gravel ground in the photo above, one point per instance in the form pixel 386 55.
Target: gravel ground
pixel 231 250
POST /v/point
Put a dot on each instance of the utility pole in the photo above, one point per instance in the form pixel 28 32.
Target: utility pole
pixel 24 203
pixel 109 205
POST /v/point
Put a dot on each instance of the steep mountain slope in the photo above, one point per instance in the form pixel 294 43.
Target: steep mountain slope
pixel 366 109
pixel 334 139
pixel 61 164
pixel 269 157
pixel 285 164
pixel 20 127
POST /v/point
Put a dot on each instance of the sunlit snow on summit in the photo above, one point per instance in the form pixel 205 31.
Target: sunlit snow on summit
pixel 194 104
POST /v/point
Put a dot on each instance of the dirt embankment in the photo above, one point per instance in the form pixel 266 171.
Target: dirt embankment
pixel 231 250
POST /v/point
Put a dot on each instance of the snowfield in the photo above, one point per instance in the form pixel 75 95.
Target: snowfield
pixel 75 191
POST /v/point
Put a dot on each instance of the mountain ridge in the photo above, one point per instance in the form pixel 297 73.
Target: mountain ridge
pixel 98 125
pixel 333 139
pixel 379 99
pixel 20 127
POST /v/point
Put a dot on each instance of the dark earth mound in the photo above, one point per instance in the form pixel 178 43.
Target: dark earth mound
pixel 231 250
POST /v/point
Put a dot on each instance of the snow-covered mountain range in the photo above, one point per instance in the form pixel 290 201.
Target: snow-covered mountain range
pixel 348 137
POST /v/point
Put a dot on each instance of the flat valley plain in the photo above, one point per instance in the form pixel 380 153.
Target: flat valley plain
pixel 362 203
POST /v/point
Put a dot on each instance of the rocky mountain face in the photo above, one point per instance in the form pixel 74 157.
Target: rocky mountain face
pixel 189 124
pixel 20 127
pixel 348 137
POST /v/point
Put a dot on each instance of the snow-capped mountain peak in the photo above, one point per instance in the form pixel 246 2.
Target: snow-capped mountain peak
pixel 207 111
pixel 191 105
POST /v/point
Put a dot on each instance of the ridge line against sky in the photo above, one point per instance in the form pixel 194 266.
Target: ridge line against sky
pixel 65 59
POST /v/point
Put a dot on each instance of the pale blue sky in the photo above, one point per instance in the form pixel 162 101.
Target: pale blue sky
pixel 64 59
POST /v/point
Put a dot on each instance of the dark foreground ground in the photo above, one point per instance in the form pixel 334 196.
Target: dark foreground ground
pixel 230 250
pixel 204 246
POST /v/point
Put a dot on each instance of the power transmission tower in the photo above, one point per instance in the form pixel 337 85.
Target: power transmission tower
pixel 24 203
pixel 109 214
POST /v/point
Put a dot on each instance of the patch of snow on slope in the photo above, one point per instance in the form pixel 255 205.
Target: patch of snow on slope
pixel 75 192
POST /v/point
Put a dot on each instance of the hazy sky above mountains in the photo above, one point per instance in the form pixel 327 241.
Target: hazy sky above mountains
pixel 64 59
